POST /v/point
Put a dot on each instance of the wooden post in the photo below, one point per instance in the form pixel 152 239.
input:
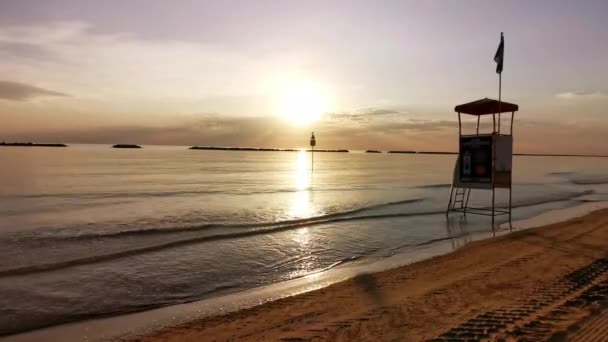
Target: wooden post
pixel 512 119
pixel 313 143
pixel 447 212
pixel 459 130
pixel 312 160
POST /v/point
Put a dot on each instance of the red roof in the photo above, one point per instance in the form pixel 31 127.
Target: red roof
pixel 486 106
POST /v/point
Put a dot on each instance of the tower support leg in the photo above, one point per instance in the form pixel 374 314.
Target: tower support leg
pixel 466 202
pixel 493 196
pixel 447 212
pixel 510 190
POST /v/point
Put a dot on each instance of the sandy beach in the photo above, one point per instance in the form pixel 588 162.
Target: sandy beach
pixel 537 284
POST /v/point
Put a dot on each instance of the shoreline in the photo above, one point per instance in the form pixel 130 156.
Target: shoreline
pixel 537 282
pixel 150 323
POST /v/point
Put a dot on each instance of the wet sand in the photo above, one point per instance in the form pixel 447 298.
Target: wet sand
pixel 538 284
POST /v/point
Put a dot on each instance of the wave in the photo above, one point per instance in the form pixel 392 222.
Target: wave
pixel 103 195
pixel 433 186
pixel 258 228
pixel 174 230
pixel 336 264
pixel 589 181
pixel 432 241
pixel 554 198
pixel 565 173
pixel 581 178
pixel 571 195
pixel 24 270
pixel 152 194
pixel 219 288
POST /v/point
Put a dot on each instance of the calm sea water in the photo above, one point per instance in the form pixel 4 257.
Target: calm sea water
pixel 91 231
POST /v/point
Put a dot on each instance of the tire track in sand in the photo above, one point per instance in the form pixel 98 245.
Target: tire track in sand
pixel 554 307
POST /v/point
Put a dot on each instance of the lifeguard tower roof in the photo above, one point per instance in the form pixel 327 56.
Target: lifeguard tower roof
pixel 486 106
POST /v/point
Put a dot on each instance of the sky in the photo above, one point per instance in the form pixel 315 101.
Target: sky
pixel 376 74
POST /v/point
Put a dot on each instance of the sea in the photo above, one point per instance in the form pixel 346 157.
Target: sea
pixel 89 231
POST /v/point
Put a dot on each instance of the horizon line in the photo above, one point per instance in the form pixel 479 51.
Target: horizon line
pixel 296 149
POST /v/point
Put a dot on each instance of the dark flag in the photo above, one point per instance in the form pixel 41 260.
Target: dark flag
pixel 500 54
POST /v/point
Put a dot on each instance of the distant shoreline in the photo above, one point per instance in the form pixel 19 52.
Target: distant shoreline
pixel 126 146
pixel 265 149
pixel 217 148
pixel 261 149
pixel 30 144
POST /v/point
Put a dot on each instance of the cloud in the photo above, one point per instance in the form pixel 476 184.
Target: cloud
pixel 111 66
pixel 226 130
pixel 364 114
pixel 581 95
pixel 130 89
pixel 30 52
pixel 20 92
pixel 380 111
pixel 389 121
pixel 534 136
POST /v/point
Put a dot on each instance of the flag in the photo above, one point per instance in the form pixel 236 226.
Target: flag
pixel 500 54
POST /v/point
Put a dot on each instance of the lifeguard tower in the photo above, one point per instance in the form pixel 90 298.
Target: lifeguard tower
pixel 484 159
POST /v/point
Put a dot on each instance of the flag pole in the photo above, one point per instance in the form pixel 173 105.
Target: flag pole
pixel 499 89
pixel 499 59
pixel 499 99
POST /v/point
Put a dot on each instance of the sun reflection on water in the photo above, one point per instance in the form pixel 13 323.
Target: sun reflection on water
pixel 301 205
pixel 302 174
pixel 302 236
pixel 307 261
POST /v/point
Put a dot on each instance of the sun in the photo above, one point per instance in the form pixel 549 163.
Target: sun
pixel 302 102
